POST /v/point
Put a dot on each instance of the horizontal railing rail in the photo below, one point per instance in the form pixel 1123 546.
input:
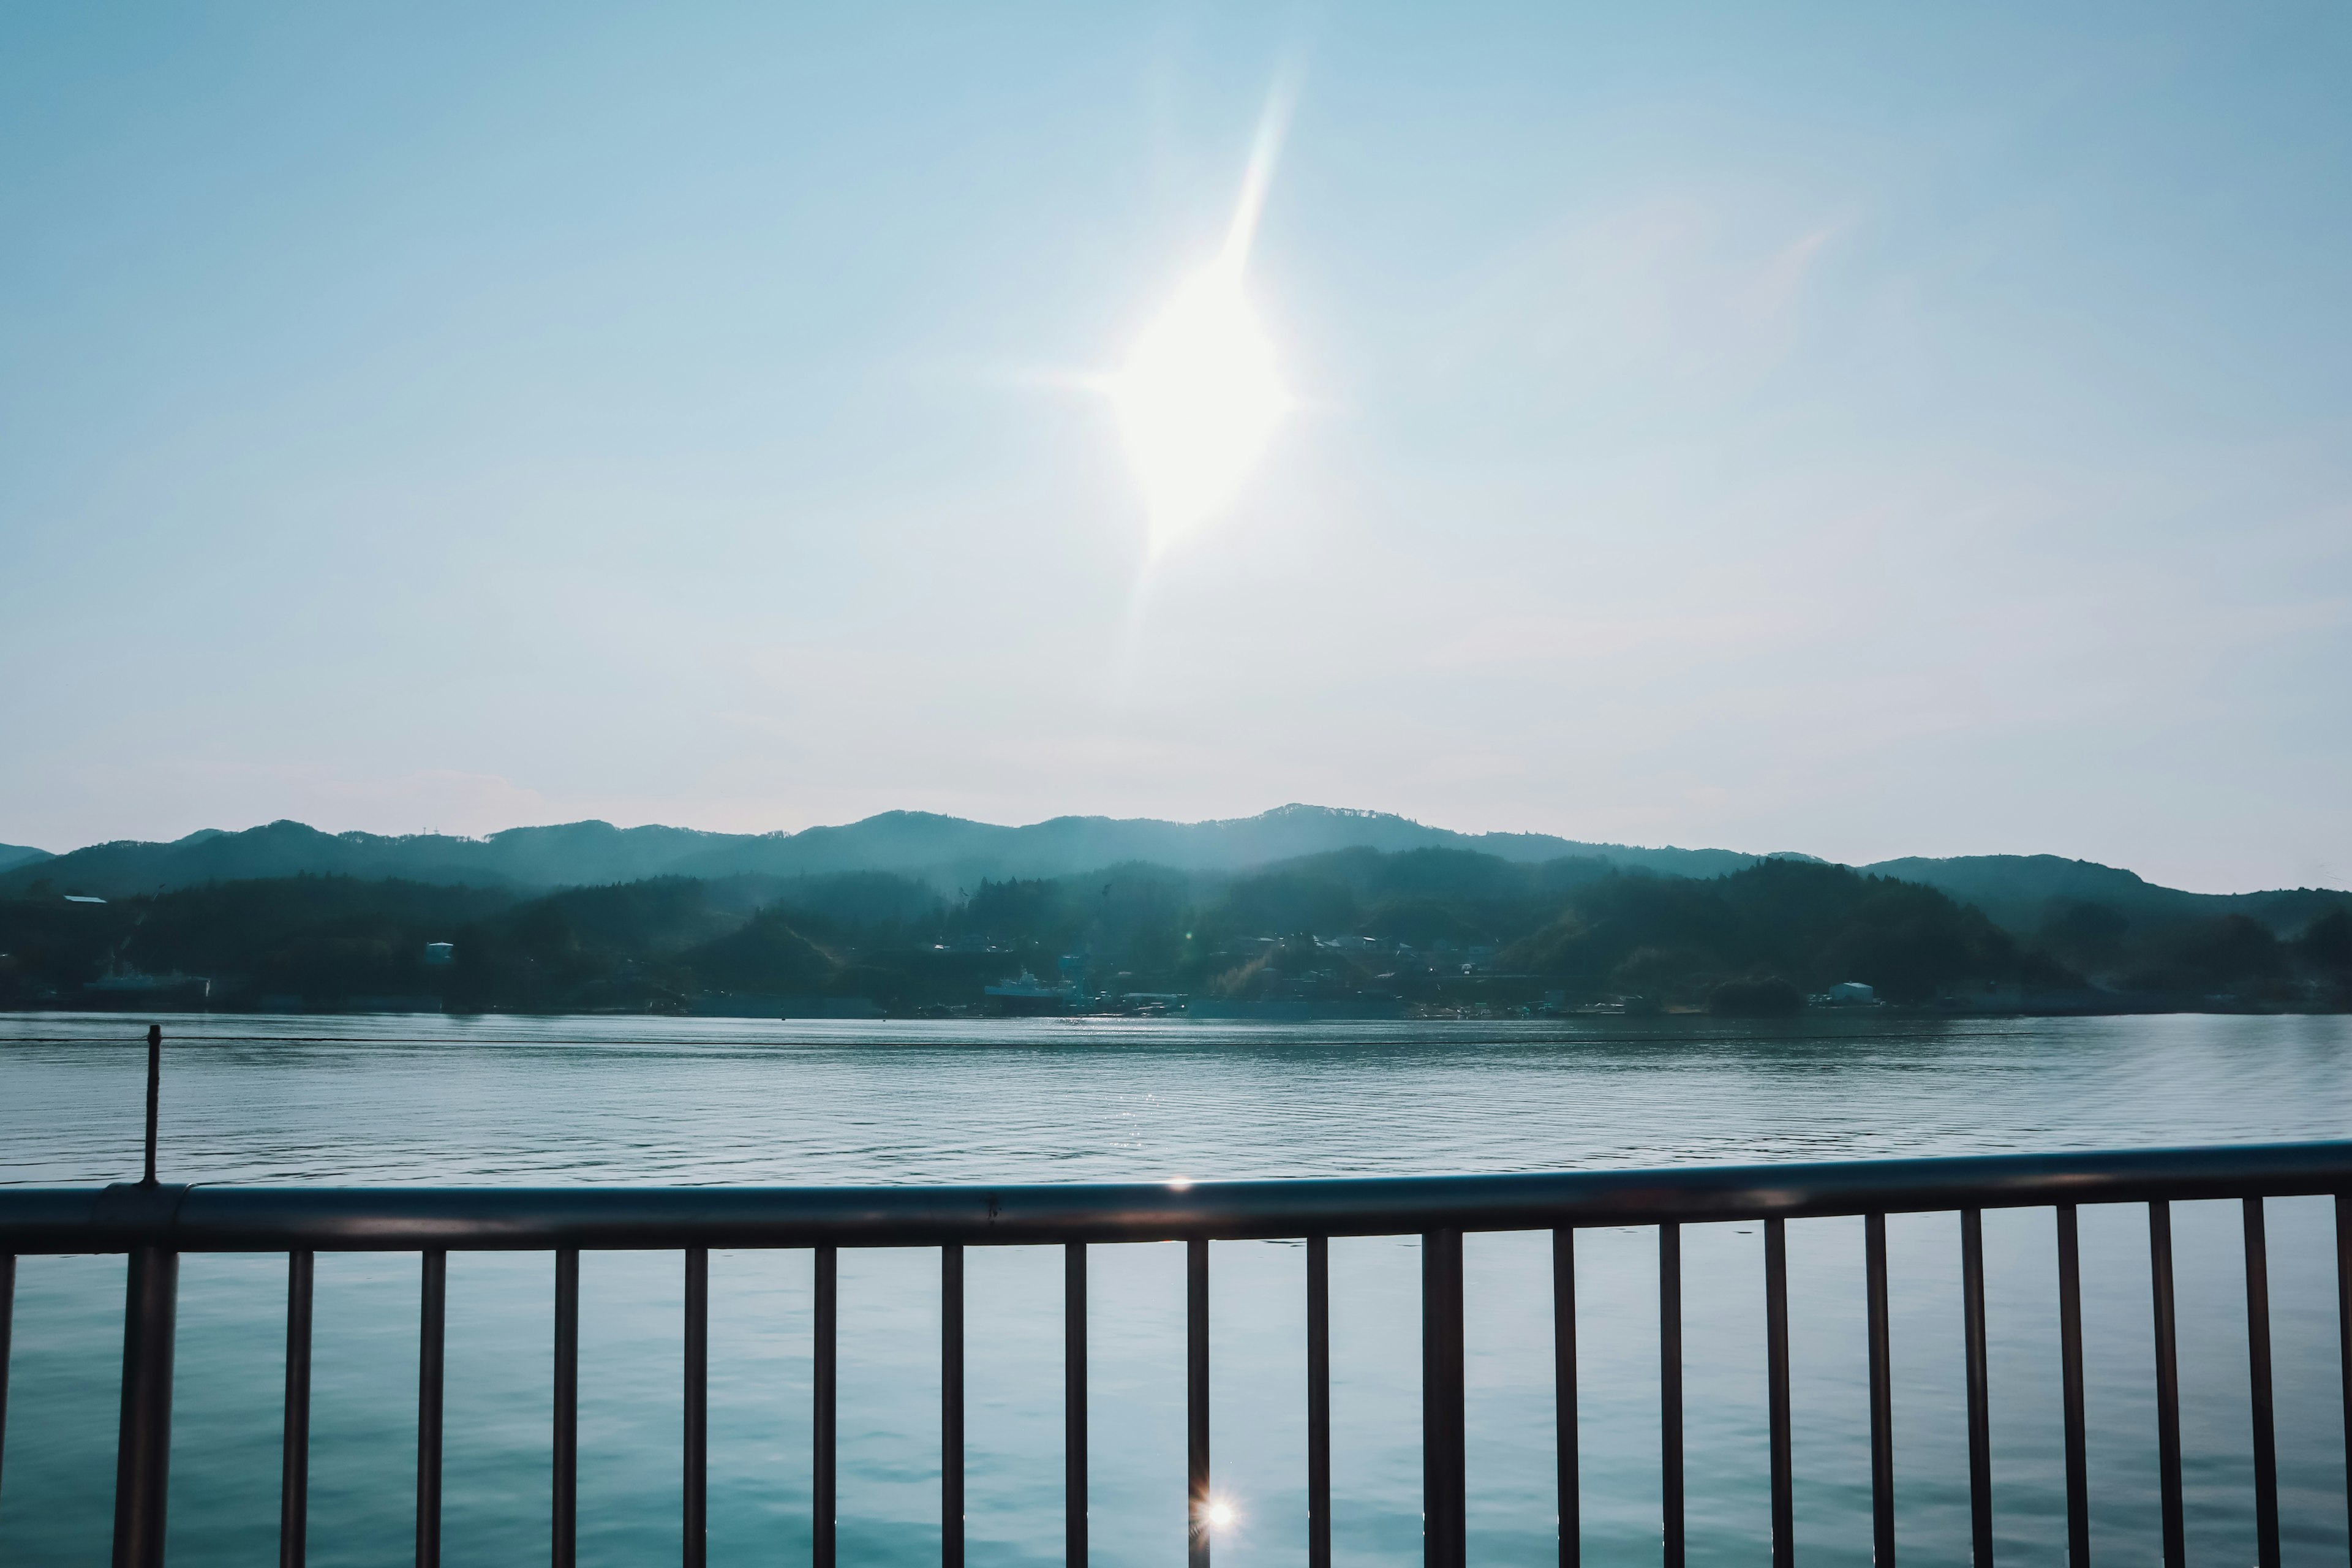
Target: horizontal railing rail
pixel 155 1222
pixel 206 1218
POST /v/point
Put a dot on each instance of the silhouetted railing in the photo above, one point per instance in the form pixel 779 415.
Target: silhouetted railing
pixel 155 1222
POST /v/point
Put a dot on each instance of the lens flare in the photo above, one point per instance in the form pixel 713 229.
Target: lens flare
pixel 1201 394
pixel 1197 401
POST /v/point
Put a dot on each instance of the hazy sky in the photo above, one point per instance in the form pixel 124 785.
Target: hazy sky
pixel 1867 430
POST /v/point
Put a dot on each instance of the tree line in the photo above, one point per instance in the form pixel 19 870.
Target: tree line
pixel 1427 925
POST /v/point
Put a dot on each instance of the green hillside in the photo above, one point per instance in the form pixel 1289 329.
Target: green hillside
pixel 1440 927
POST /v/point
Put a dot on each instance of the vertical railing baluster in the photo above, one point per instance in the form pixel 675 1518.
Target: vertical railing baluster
pixel 294 1459
pixel 2168 1383
pixel 1972 1318
pixel 694 1524
pixel 823 1434
pixel 1881 1395
pixel 142 1452
pixel 1776 1382
pixel 952 1405
pixel 1444 1527
pixel 2070 1372
pixel 1073 1403
pixel 7 1329
pixel 564 1523
pixel 1569 1484
pixel 2344 1337
pixel 2258 1380
pixel 1670 1390
pixel 432 1335
pixel 1318 1402
pixel 1196 1402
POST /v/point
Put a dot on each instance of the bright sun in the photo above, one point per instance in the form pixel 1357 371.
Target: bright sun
pixel 1201 397
pixel 1198 401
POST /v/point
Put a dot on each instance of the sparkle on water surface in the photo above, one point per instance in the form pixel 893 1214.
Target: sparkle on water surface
pixel 538 1100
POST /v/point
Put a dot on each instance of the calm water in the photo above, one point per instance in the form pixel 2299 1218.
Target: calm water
pixel 637 1101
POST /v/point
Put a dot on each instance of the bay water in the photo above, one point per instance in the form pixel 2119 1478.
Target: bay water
pixel 432 1100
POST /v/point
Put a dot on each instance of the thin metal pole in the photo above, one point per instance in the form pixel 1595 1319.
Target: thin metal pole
pixel 2344 1334
pixel 1881 1395
pixel 565 1526
pixel 1563 1395
pixel 2070 1355
pixel 952 1405
pixel 1973 1295
pixel 1670 1389
pixel 7 1323
pixel 1318 1402
pixel 695 1489
pixel 431 1337
pixel 1073 1403
pixel 2258 1378
pixel 294 1466
pixel 1775 1380
pixel 2168 1383
pixel 1443 1523
pixel 154 1093
pixel 825 1433
pixel 1196 1401
pixel 144 1447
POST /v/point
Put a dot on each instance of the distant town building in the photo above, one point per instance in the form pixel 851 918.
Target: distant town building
pixel 1852 993
pixel 440 954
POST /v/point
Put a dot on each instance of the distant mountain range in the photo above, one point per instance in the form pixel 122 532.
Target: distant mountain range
pixel 947 851
pixel 2019 892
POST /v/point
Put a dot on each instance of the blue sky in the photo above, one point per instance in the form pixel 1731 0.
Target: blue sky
pixel 1859 429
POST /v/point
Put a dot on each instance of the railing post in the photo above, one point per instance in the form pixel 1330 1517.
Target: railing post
pixel 2070 1372
pixel 823 1434
pixel 2160 1277
pixel 2258 1379
pixel 564 1529
pixel 7 1322
pixel 694 1490
pixel 1972 1331
pixel 1670 1391
pixel 952 1405
pixel 1776 1382
pixel 143 1447
pixel 1568 1482
pixel 1196 1403
pixel 432 1334
pixel 2344 1331
pixel 1318 1402
pixel 294 1462
pixel 154 1095
pixel 1074 1404
pixel 2168 1384
pixel 1881 1395
pixel 1444 1527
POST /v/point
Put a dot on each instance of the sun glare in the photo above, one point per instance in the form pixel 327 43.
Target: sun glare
pixel 1201 396
pixel 1198 401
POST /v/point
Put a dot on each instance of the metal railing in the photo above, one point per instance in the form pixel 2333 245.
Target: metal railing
pixel 155 1222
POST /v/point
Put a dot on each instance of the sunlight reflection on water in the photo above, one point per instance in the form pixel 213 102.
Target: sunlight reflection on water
pixel 502 1099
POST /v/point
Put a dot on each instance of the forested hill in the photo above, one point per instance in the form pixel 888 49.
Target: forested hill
pixel 1437 926
pixel 2025 894
pixel 946 851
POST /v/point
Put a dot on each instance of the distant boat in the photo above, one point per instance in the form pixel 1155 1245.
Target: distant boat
pixel 129 988
pixel 1296 1009
pixel 1025 996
